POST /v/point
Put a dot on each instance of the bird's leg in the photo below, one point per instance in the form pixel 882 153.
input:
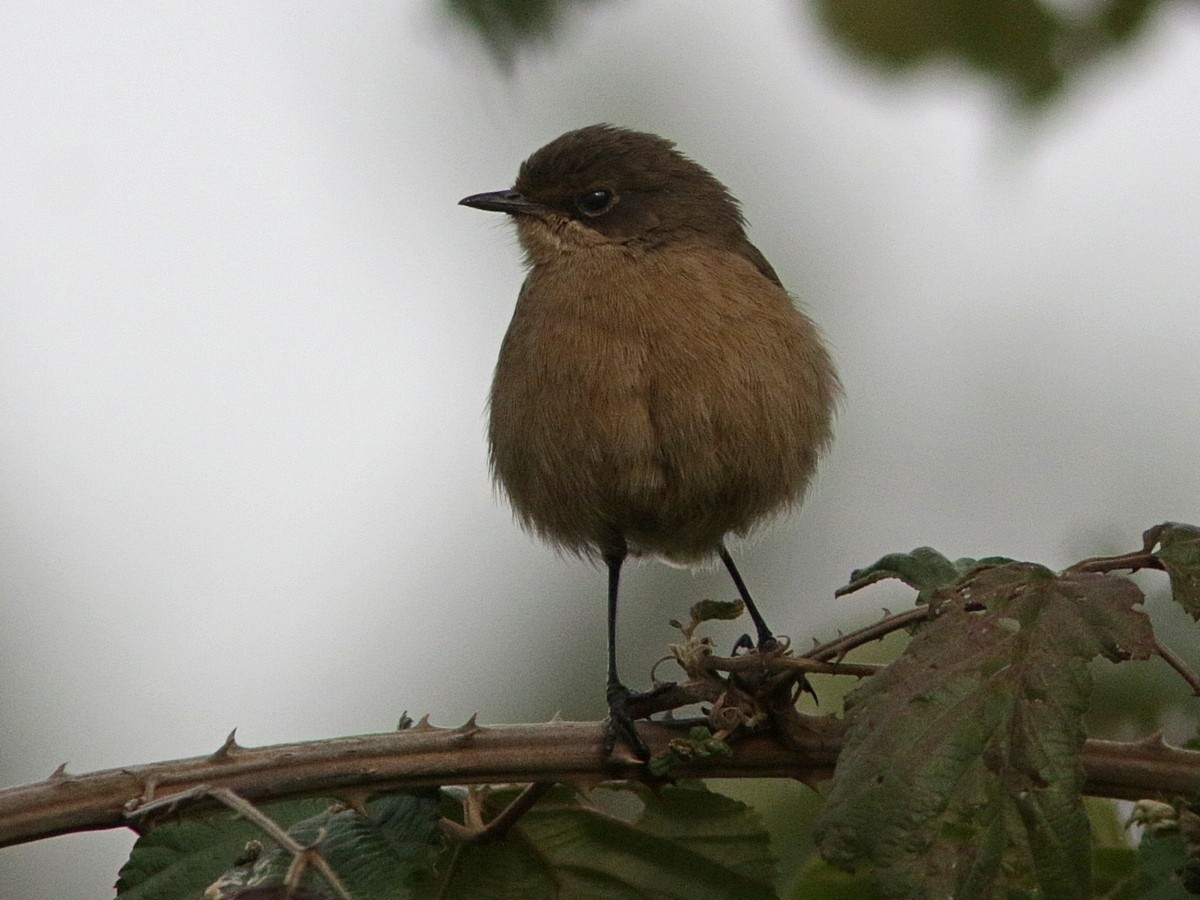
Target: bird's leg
pixel 620 722
pixel 766 640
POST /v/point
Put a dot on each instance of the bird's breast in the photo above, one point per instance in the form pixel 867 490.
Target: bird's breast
pixel 573 391
pixel 671 399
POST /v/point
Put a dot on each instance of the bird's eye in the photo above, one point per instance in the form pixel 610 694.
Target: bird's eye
pixel 595 203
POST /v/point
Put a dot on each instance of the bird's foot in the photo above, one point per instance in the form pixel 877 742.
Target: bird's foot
pixel 620 720
pixel 766 643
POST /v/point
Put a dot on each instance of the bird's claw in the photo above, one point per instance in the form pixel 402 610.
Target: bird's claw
pixel 620 722
pixel 766 643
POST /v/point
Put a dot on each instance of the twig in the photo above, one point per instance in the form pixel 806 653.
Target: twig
pixel 476 832
pixel 1175 662
pixel 1137 559
pixel 838 648
pixel 302 857
pixel 803 664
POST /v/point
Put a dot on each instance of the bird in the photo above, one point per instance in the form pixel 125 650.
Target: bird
pixel 657 391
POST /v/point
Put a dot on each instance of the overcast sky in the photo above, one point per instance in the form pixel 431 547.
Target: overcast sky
pixel 246 337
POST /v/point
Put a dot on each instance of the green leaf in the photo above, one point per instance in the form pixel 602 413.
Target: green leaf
pixel 505 25
pixel 719 610
pixel 1112 868
pixel 821 881
pixel 699 743
pixel 179 859
pixel 960 774
pixel 379 856
pixel 710 610
pixel 687 843
pixel 924 569
pixel 1179 552
pixel 1022 45
pixel 1165 869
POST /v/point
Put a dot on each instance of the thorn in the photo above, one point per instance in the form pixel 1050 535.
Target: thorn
pixel 226 750
pixel 59 774
pixel 463 733
pixel 556 718
pixel 886 612
pixel 424 725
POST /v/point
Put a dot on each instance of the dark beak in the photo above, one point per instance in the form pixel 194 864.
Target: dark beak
pixel 499 201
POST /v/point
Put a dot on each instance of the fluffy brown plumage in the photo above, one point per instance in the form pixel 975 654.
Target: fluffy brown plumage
pixel 657 389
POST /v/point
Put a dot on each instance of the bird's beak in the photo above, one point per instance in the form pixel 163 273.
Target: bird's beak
pixel 499 201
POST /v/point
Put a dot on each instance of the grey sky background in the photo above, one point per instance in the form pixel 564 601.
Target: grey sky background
pixel 246 337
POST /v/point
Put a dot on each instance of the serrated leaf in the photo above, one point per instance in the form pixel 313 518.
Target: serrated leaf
pixel 1179 552
pixel 924 569
pixel 379 856
pixel 724 831
pixel 960 774
pixel 688 843
pixel 179 859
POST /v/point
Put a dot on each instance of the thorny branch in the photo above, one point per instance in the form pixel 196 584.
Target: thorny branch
pixel 1138 559
pixel 845 643
pixel 354 768
pixel 739 694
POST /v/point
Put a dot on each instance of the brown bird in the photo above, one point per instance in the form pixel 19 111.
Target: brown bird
pixel 657 389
